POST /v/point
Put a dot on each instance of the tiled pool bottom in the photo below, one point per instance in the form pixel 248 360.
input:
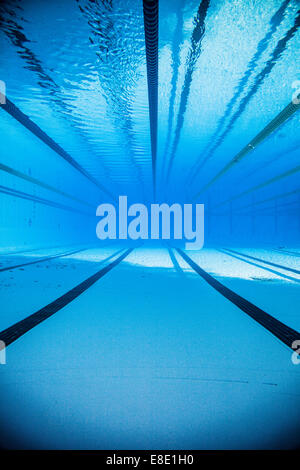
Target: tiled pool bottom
pixel 150 356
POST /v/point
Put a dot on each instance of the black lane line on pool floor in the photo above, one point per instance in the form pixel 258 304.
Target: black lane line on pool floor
pixel 30 250
pixel 264 268
pixel 283 332
pixel 11 334
pixel 42 260
pixel 292 270
pixel 4 255
pixel 281 250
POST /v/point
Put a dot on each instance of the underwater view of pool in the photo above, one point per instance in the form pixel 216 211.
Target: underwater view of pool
pixel 150 224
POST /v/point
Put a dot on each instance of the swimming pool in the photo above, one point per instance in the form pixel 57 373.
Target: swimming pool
pixel 134 342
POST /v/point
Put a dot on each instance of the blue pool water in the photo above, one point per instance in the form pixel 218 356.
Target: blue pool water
pixel 152 352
